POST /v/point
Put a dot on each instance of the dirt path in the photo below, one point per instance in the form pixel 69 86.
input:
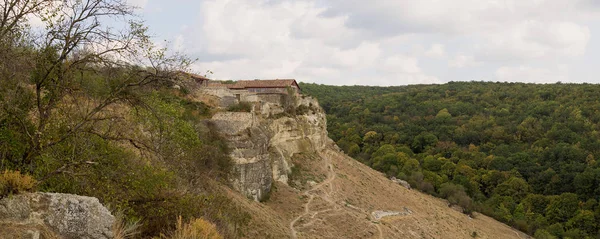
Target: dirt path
pixel 312 193
pixel 325 191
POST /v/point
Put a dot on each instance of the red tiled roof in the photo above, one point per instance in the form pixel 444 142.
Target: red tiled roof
pixel 216 84
pixel 277 83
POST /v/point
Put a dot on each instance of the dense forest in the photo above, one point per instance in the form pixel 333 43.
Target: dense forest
pixel 521 153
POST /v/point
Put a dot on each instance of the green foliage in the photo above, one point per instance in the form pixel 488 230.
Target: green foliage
pixel 456 195
pixel 543 234
pixel 160 215
pixel 79 120
pixel 562 207
pixel 524 153
pixel 240 107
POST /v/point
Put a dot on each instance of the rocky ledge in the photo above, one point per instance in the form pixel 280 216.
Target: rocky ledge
pixel 54 215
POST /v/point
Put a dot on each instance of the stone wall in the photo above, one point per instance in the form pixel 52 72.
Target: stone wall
pixel 226 97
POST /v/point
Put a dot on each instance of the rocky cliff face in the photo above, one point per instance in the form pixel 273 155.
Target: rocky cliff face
pixel 54 215
pixel 264 141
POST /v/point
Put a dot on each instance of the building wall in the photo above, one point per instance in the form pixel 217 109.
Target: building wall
pixel 267 90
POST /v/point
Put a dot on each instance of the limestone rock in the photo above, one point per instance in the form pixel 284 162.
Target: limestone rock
pixel 61 215
pixel 401 182
pixel 263 141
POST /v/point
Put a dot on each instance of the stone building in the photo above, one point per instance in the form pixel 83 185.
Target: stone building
pixel 277 86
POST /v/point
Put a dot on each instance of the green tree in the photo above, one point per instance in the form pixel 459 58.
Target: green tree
pixel 543 234
pixel 562 208
pixel 422 141
pixel 513 187
pixel 585 221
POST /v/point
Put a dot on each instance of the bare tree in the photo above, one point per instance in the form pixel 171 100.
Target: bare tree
pixel 79 40
pixel 15 13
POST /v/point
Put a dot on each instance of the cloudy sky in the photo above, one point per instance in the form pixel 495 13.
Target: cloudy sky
pixel 385 42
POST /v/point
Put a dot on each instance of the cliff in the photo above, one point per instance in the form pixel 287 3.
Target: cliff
pixel 264 141
pixel 303 186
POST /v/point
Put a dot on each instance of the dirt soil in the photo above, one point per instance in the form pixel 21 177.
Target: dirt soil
pixel 349 201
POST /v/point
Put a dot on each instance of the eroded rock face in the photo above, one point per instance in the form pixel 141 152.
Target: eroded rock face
pixel 264 141
pixel 33 215
pixel 248 141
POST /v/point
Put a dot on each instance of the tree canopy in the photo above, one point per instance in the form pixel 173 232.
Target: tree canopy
pixel 524 153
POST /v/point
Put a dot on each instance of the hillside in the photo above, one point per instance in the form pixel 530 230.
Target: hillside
pixel 343 203
pixel 325 194
pixel 521 153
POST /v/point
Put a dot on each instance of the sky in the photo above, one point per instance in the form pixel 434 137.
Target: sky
pixel 383 42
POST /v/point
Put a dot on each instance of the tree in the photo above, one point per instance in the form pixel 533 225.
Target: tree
pixel 562 208
pixel 371 137
pixel 585 221
pixel 422 141
pixel 77 44
pixel 536 203
pixel 13 23
pixel 543 234
pixel 513 187
pixel 456 195
pixel 587 182
pixel 432 164
pixel 519 213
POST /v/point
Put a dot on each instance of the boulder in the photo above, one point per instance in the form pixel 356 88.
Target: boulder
pixel 401 182
pixel 54 215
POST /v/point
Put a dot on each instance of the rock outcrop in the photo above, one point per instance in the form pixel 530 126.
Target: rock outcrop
pixel 264 141
pixel 54 215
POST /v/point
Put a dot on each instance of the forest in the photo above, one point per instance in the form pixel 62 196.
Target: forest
pixel 521 153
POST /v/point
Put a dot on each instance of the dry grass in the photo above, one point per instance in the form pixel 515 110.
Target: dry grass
pixel 15 182
pixel 122 229
pixel 356 191
pixel 194 229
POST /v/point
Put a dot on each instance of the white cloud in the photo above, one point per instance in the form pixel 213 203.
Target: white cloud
pixel 534 39
pixel 400 64
pixel 138 3
pixel 293 39
pixel 436 51
pixel 461 61
pixel 179 43
pixel 533 74
pixel 388 42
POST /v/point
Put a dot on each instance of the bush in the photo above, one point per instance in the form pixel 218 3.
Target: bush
pixel 123 229
pixel 302 110
pixel 160 214
pixel 194 229
pixel 456 195
pixel 13 182
pixel 241 107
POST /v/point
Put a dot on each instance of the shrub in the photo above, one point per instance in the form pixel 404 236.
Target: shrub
pixel 123 229
pixel 456 195
pixel 194 229
pixel 12 182
pixel 240 107
pixel 302 110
